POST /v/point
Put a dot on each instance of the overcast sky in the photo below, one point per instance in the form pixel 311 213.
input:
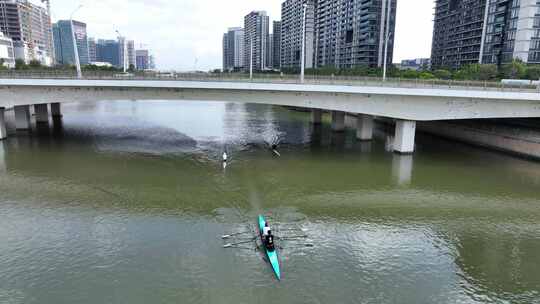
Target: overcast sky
pixel 184 34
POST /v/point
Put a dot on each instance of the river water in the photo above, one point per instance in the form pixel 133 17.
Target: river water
pixel 127 202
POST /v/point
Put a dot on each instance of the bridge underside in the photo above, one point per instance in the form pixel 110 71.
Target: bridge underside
pixel 405 107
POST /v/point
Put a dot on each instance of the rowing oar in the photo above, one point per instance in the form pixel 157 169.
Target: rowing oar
pixel 233 234
pixel 245 248
pixel 239 243
pixel 293 229
pixel 306 245
pixel 292 237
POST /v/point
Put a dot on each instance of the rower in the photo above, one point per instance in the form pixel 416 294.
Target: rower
pixel 269 241
pixel 225 157
pixel 274 148
pixel 266 229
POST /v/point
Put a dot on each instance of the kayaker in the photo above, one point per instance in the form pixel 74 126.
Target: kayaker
pixel 266 229
pixel 269 240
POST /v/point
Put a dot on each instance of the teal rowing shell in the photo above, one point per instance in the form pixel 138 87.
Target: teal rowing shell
pixel 272 255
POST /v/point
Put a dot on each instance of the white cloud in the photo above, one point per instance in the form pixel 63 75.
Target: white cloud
pixel 183 31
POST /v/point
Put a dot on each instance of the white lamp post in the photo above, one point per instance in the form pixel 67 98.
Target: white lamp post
pixel 124 46
pixel 303 55
pixel 75 48
pixel 389 9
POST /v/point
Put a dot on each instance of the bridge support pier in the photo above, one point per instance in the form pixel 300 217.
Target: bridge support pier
pixel 22 118
pixel 3 131
pixel 55 110
pixel 316 116
pixel 338 121
pixel 404 137
pixel 42 113
pixel 364 127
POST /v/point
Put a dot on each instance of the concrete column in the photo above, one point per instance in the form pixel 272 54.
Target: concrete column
pixel 364 127
pixel 404 138
pixel 338 121
pixel 42 113
pixel 22 118
pixel 55 110
pixel 316 116
pixel 3 132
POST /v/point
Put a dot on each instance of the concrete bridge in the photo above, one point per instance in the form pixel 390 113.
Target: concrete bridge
pixel 405 105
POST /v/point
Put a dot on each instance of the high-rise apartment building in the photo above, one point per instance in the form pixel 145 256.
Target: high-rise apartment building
pixel 132 55
pixel 485 31
pixel 276 32
pixel 292 25
pixel 270 52
pixel 233 49
pixel 29 26
pixel 7 55
pixel 351 33
pixel 457 34
pixel 256 32
pixel 92 51
pixel 129 46
pixel 143 59
pixel 109 51
pixel 63 42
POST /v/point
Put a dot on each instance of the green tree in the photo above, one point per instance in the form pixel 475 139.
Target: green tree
pixel 426 75
pixel 533 72
pixel 131 68
pixel 442 74
pixel 486 72
pixel 410 74
pixel 513 70
pixel 477 71
pixel 20 65
pixel 35 64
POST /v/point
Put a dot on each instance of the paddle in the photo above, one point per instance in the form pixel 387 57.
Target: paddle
pixel 293 229
pixel 245 248
pixel 238 243
pixel 293 237
pixel 234 234
pixel 306 245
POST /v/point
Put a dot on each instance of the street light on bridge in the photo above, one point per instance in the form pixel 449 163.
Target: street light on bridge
pixel 387 36
pixel 75 48
pixel 303 57
pixel 124 46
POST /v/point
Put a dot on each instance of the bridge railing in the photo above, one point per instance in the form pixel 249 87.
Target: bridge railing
pixel 275 78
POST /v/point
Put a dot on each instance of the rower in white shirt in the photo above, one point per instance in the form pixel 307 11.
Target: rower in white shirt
pixel 266 229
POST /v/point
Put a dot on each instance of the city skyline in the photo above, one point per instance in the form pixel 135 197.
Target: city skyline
pixel 199 46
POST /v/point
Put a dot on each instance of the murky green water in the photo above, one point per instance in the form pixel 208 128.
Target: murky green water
pixel 127 203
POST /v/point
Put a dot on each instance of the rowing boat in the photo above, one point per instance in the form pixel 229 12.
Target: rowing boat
pixel 272 255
